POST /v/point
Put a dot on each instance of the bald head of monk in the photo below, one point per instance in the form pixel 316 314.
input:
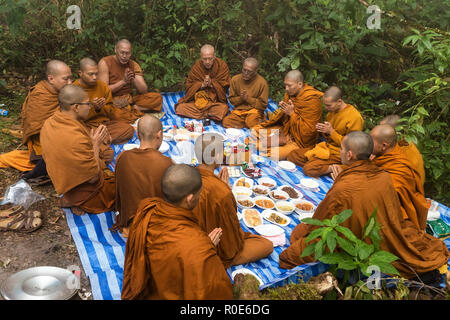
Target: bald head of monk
pixel 332 99
pixel 123 51
pixel 88 72
pixel 58 74
pixel 181 185
pixel 74 102
pixel 293 82
pixel 384 139
pixel 209 149
pixel 207 55
pixel 356 145
pixel 150 132
pixel 249 69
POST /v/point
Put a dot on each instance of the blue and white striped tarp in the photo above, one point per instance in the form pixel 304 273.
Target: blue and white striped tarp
pixel 102 252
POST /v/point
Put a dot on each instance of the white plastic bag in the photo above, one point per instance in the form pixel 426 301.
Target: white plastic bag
pixel 21 193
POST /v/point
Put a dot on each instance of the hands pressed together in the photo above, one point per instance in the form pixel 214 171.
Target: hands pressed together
pixel 288 108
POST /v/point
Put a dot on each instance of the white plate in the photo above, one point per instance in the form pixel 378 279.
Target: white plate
pixel 240 198
pixel 242 191
pixel 287 165
pixel 269 230
pixel 302 213
pixel 261 188
pixel 278 193
pixel 267 180
pixel 167 136
pixel 164 147
pixel 279 204
pixel 247 180
pixel 130 146
pixel 233 133
pixel 264 198
pixel 245 221
pixel 309 183
pixel 267 213
pixel 246 271
pixel 181 137
pixel 299 194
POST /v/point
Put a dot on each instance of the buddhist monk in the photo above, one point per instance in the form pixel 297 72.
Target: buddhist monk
pixel 405 178
pixel 102 111
pixel 249 93
pixel 363 187
pixel 121 73
pixel 71 153
pixel 292 126
pixel 217 207
pixel 206 88
pixel 139 171
pixel 409 149
pixel 342 118
pixel 167 255
pixel 40 103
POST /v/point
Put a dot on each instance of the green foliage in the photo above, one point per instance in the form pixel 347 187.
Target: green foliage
pixel 338 246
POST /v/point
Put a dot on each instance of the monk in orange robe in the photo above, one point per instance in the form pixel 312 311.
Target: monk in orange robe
pixel 206 88
pixel 249 93
pixel 363 187
pixel 342 118
pixel 167 255
pixel 139 172
pixel 409 149
pixel 71 153
pixel 405 178
pixel 292 126
pixel 120 73
pixel 217 207
pixel 40 104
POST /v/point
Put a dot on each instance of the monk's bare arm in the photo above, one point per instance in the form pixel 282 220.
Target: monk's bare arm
pixel 103 75
pixel 139 84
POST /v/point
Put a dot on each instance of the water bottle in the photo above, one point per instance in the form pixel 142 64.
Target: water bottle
pixel 3 112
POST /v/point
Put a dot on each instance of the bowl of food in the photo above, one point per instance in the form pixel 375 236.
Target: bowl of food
pixel 293 194
pixel 276 217
pixel 267 182
pixel 309 183
pixel 181 137
pixel 260 190
pixel 243 182
pixel 284 207
pixel 278 195
pixel 245 202
pixel 304 208
pixel 251 218
pixel 242 191
pixel 264 202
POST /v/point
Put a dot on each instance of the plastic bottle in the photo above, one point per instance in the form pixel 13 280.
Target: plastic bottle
pixel 3 112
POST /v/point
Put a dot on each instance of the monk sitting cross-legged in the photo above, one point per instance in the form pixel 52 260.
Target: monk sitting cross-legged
pixel 341 119
pixel 206 88
pixel 121 73
pixel 139 171
pixel 40 104
pixel 292 126
pixel 217 207
pixel 405 178
pixel 71 153
pixel 249 93
pixel 167 255
pixel 363 187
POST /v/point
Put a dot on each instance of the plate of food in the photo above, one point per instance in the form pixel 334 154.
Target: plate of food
pixel 242 191
pixel 267 182
pixel 130 146
pixel 245 202
pixel 287 165
pixel 260 190
pixel 276 217
pixel 194 135
pixel 309 183
pixel 264 202
pixel 243 182
pixel 181 137
pixel 233 134
pixel 278 195
pixel 167 136
pixel 293 194
pixel 245 271
pixel 285 207
pixel 164 147
pixel 304 208
pixel 250 171
pixel 251 218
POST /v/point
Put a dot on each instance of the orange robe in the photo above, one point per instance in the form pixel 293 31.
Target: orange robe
pixel 138 176
pixel 300 127
pixel 69 155
pixel 315 162
pixel 247 114
pixel 413 155
pixel 120 131
pixel 217 209
pixel 168 257
pixel 362 187
pixel 152 101
pixel 209 102
pixel 40 103
pixel 407 183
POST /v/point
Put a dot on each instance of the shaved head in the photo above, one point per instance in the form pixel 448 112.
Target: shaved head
pixel 207 55
pixel 71 94
pixel 359 143
pixel 391 120
pixel 209 148
pixel 87 62
pixel 294 75
pixel 252 61
pixel 123 42
pixel 55 67
pixel 384 133
pixel 180 181
pixel 334 93
pixel 207 48
pixel 148 126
